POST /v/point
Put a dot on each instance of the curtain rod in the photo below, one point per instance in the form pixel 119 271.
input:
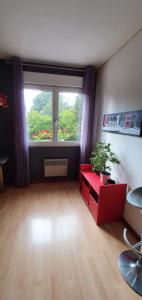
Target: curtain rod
pixel 41 65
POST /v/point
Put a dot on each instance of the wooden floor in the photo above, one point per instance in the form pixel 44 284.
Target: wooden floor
pixel 51 248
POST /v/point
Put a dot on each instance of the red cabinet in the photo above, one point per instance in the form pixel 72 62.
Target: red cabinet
pixel 85 192
pixel 106 202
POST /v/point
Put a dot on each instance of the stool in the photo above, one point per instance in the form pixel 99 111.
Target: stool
pixel 130 262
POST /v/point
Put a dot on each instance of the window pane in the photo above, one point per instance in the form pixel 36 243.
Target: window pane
pixel 70 115
pixel 38 106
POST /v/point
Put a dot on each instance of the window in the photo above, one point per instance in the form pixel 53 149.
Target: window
pixel 53 115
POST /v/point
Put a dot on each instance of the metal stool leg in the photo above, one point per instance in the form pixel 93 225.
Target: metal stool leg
pixel 130 264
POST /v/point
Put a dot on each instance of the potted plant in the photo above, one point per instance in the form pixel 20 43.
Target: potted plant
pixel 100 159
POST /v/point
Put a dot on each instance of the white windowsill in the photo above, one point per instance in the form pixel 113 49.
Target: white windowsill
pixel 48 144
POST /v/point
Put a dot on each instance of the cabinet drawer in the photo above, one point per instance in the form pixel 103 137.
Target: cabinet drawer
pixel 85 192
pixel 93 207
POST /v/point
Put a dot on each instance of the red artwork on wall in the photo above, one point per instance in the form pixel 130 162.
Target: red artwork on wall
pixel 3 101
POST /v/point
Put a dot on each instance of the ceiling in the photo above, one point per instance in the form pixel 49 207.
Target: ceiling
pixel 75 32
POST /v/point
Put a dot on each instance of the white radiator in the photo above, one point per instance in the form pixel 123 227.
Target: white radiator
pixel 55 167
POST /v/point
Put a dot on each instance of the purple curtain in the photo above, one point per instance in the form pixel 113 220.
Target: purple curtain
pixel 88 113
pixel 20 138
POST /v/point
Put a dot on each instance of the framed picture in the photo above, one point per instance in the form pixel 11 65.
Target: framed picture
pixel 128 123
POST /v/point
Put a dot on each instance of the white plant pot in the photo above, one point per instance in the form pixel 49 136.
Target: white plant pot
pixel 104 178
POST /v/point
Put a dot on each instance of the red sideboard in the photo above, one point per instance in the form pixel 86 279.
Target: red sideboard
pixel 106 202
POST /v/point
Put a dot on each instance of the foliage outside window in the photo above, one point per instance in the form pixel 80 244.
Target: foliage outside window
pixel 53 116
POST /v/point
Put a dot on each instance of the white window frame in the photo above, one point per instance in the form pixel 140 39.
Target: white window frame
pixel 55 90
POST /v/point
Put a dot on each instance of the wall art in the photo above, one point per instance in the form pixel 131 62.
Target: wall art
pixel 129 123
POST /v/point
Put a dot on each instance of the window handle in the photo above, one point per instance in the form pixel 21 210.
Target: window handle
pixel 56 122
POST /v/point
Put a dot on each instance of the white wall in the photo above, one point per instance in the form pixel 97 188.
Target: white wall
pixel 119 88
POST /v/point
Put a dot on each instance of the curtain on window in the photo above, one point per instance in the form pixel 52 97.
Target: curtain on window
pixel 88 113
pixel 20 138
